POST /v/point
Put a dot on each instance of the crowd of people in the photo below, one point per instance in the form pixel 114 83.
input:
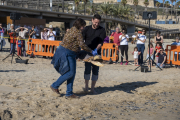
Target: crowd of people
pixel 121 39
pixel 19 35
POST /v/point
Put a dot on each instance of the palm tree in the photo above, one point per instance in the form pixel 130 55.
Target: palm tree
pixel 157 5
pixel 167 5
pixel 135 2
pixel 124 2
pixel 146 3
pixel 177 6
pixel 77 4
pixel 163 9
pixel 106 8
pixel 93 9
pixel 171 7
pixel 85 2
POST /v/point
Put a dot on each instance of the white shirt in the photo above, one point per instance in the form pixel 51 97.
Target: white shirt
pixel 141 37
pixel 133 36
pixel 124 40
pixel 135 54
pixel 22 33
pixel 51 37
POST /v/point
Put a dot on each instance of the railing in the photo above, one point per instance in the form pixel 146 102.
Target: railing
pixel 44 5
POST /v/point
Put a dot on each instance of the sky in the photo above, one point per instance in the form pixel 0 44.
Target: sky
pixel 157 0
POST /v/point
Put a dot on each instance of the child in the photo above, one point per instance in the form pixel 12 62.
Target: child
pixel 158 47
pixel 151 52
pixel 1 36
pixel 19 45
pixel 175 54
pixel 136 53
pixel 161 58
pixel 13 42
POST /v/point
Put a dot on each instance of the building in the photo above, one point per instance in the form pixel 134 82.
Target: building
pixel 101 1
pixel 141 2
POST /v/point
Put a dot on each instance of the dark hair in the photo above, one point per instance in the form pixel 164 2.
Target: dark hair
pixel 135 48
pixel 150 44
pixel 160 44
pixel 158 32
pixel 33 26
pixel 79 23
pixel 144 30
pixel 97 16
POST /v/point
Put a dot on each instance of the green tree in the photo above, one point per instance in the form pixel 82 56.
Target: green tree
pixel 157 5
pixel 163 9
pixel 171 7
pixel 135 2
pixel 124 2
pixel 166 5
pixel 146 3
pixel 77 4
pixel 177 6
pixel 85 2
pixel 105 8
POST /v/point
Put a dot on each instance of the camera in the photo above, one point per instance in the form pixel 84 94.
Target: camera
pixel 150 15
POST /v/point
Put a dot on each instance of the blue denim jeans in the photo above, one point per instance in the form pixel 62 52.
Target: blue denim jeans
pixel 141 48
pixel 87 72
pixel 13 45
pixel 70 75
pixel 160 64
pixel 2 35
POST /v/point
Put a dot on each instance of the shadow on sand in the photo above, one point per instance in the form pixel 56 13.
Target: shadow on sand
pixel 126 87
pixel 12 70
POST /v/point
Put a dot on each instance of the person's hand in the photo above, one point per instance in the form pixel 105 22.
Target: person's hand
pixel 94 52
pixel 161 65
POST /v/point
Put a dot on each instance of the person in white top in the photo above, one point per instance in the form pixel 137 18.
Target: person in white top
pixel 141 39
pixel 22 34
pixel 51 33
pixel 124 46
pixel 51 36
pixel 136 54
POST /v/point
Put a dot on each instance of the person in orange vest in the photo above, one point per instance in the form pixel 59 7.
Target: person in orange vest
pixel 13 42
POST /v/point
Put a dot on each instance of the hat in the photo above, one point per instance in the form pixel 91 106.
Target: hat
pixel 50 26
pixel 12 24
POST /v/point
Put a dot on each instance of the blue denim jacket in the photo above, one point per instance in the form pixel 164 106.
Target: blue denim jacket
pixel 60 61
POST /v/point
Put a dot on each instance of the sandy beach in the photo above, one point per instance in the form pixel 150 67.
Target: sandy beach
pixel 123 94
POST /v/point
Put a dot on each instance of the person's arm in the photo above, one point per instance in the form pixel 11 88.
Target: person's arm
pixel 155 39
pixel 161 39
pixel 157 53
pixel 17 29
pixel 41 35
pixel 152 52
pixel 26 29
pixel 142 40
pixel 163 61
pixel 82 45
pixel 54 34
pixel 120 37
pixel 127 37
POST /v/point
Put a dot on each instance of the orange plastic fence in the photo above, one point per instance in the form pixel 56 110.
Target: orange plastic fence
pixel 42 47
pixel 173 54
pixel 109 50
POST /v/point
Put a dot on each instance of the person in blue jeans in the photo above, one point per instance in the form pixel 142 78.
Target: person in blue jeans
pixel 161 58
pixel 64 59
pixel 1 36
pixel 141 39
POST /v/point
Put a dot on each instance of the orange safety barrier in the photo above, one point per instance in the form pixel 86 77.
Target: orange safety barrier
pixel 109 51
pixel 173 58
pixel 42 47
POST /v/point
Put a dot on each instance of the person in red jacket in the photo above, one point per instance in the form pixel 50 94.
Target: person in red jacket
pixel 13 42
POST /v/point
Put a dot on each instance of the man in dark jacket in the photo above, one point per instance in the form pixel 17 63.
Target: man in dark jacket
pixel 94 36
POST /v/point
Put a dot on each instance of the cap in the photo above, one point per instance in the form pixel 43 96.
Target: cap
pixel 50 26
pixel 12 24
